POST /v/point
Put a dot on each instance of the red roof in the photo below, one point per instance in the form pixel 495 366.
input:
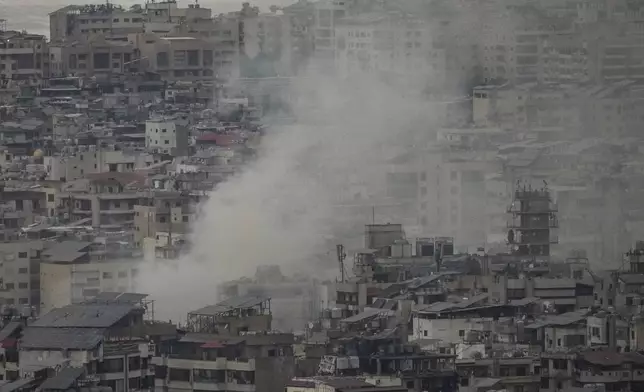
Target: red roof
pixel 213 344
pixel 9 342
pixel 221 140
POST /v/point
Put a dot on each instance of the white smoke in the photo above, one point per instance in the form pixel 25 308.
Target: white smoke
pixel 280 209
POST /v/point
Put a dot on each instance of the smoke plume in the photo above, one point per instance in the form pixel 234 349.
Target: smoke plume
pixel 283 207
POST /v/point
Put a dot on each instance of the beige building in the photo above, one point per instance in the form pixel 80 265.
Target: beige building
pixel 107 198
pixel 190 57
pixel 165 219
pixel 77 164
pixel 92 56
pixel 63 284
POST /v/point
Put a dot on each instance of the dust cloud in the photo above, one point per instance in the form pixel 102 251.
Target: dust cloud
pixel 281 209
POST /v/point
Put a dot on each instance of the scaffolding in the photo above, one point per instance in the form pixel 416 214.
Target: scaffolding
pixel 211 318
pixel 533 221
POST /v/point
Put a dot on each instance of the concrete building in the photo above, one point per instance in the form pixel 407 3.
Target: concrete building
pixel 92 56
pixel 189 57
pixel 74 21
pixel 228 346
pixel 165 136
pixel 267 49
pixel 20 268
pixel 62 284
pixel 106 338
pixel 388 44
pixel 167 212
pixel 23 57
pixel 79 162
pixel 107 198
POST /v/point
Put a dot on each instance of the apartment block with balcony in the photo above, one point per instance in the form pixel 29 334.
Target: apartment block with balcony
pixel 23 56
pixel 189 57
pixel 107 198
pixel 105 337
pixel 20 272
pixel 77 20
pixel 165 212
pixel 21 207
pixel 228 348
pixel 93 56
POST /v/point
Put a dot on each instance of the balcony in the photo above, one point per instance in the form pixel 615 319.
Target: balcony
pixel 515 208
pixel 590 377
pixel 209 386
pixel 218 364
pixel 240 387
pixel 520 224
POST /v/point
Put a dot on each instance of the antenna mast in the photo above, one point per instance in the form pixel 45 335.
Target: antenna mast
pixel 341 257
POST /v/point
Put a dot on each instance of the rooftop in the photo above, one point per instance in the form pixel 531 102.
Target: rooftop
pixel 236 303
pixel 84 316
pixel 61 338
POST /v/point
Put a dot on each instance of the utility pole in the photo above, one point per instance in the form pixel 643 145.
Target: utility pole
pixel 341 257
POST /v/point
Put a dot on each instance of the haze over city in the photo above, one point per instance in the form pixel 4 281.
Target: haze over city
pixel 337 195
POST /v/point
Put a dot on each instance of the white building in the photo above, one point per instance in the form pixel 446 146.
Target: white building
pixel 165 137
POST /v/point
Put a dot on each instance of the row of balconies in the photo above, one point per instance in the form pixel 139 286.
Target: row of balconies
pixel 221 363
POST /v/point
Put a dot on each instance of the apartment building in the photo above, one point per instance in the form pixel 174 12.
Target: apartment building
pixel 166 212
pixel 191 57
pixel 107 198
pixel 65 283
pixel 105 338
pixel 267 46
pixel 326 14
pixel 165 136
pixel 452 194
pixel 23 56
pixel 388 44
pixel 20 268
pixel 20 207
pixel 228 347
pixel 92 56
pixel 74 21
pixel 80 161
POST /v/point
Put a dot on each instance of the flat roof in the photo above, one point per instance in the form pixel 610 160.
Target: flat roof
pixel 61 338
pixel 243 302
pixel 84 316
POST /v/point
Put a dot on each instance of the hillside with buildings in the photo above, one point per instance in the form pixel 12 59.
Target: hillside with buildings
pixel 347 196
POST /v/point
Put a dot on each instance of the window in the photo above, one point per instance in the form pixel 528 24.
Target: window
pixel 122 274
pixel 23 301
pixel 23 285
pixel 166 141
pixel 107 275
pixel 9 286
pixel 22 255
pixel 23 270
pixel 117 204
pixel 50 197
pixel 461 333
pixel 162 219
pixel 186 218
